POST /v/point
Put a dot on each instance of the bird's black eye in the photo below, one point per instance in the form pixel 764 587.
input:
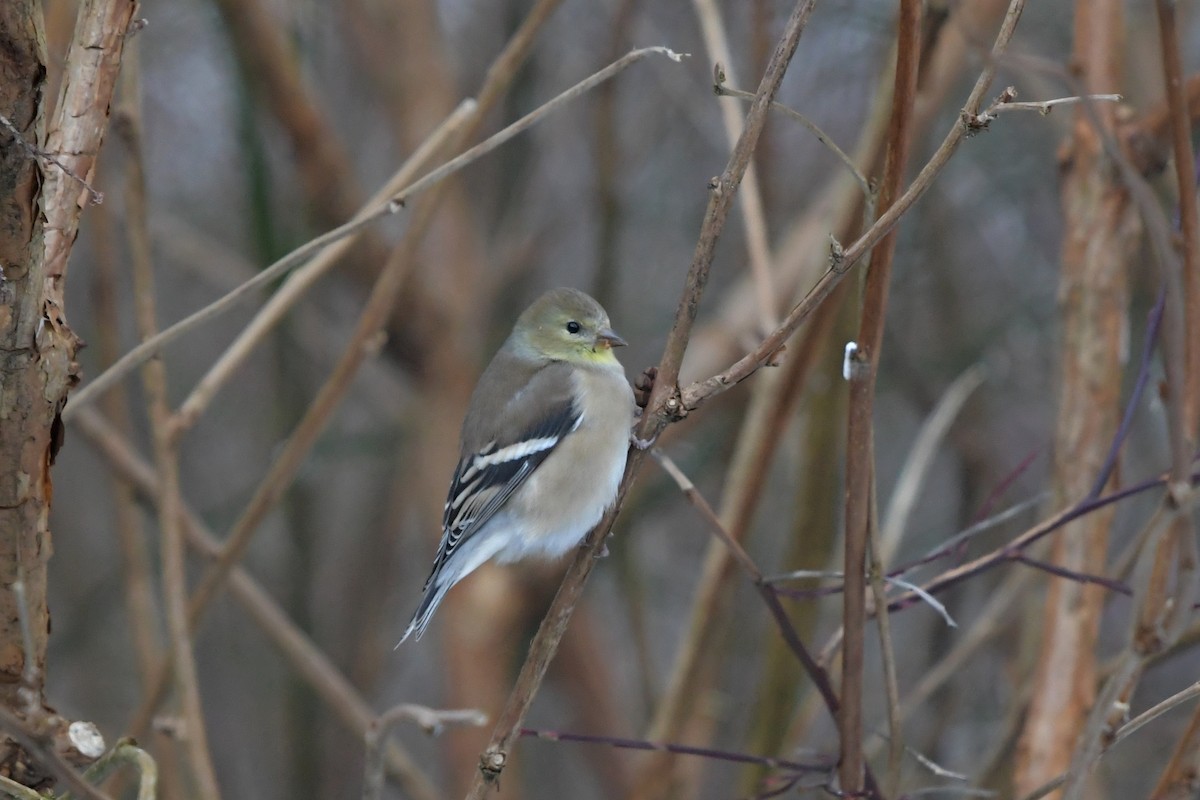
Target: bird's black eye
pixel 573 327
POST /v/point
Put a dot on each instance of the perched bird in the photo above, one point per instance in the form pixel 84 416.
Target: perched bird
pixel 543 444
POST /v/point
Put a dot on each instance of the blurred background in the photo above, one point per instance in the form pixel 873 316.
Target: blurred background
pixel 267 122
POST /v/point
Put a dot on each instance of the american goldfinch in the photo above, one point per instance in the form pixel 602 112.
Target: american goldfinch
pixel 543 445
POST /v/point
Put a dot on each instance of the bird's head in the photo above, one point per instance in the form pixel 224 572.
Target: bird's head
pixel 568 325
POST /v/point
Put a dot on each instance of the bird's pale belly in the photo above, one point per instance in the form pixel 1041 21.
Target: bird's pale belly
pixel 557 526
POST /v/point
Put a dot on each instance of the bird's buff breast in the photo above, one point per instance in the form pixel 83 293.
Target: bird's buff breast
pixel 578 481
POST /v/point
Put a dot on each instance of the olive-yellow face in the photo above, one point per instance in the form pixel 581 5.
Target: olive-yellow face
pixel 567 325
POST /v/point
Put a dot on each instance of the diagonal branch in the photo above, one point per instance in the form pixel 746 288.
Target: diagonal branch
pixel 664 402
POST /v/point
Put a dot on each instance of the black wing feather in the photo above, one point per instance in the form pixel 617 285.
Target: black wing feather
pixel 484 480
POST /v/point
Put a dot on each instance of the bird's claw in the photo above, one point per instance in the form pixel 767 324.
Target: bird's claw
pixel 644 385
pixel 642 444
pixel 603 551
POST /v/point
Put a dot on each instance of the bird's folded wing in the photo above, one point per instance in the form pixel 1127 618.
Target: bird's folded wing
pixel 521 436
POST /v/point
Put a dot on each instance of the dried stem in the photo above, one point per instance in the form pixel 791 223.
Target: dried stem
pixel 876 572
pixel 1189 216
pixel 868 191
pixel 860 471
pixel 699 392
pixel 818 676
pixel 920 459
pixel 665 400
pixel 136 560
pixel 174 573
pixel 303 278
pixel 716 42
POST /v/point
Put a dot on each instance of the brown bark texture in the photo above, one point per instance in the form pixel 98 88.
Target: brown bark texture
pixel 1101 234
pixel 37 358
pixel 45 166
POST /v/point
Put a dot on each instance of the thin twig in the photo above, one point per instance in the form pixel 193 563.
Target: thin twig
pixel 304 277
pixel 95 197
pixel 703 752
pixel 1124 732
pixel 818 675
pixel 1044 107
pixel 430 720
pixel 701 391
pixel 394 204
pixel 920 458
pixel 665 400
pixel 154 378
pixel 868 191
pixel 716 42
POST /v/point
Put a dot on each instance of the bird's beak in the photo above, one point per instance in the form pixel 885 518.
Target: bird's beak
pixel 608 338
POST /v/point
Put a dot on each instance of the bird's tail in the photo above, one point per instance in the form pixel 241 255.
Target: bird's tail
pixel 434 592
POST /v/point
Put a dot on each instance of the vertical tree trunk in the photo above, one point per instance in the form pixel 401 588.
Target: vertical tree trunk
pixel 36 354
pixel 43 166
pixel 1102 233
pixel 36 368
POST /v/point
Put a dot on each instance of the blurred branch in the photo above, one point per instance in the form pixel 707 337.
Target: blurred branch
pixel 260 43
pixel 842 259
pixel 296 647
pixel 19 791
pixel 703 752
pixel 132 538
pixel 303 278
pixel 721 89
pixel 716 42
pixel 430 720
pixel 1189 216
pixel 818 675
pixel 921 456
pixel 392 205
pixel 154 377
pixel 1124 732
